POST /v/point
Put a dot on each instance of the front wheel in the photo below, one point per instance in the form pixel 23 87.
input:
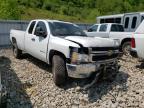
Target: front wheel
pixel 126 47
pixel 59 70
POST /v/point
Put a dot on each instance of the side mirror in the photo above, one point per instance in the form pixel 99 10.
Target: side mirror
pixel 40 32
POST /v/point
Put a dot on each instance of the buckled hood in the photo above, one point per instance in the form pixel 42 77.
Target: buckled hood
pixel 93 41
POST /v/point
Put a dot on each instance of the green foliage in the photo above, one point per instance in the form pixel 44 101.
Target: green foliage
pixel 82 10
pixel 9 9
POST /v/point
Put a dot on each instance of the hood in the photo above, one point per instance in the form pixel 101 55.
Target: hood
pixel 93 41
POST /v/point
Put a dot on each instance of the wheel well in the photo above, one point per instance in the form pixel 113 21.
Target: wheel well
pixel 123 41
pixel 13 40
pixel 54 52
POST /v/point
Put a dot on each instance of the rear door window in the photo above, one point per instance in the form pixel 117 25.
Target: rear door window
pixel 31 27
pixel 103 28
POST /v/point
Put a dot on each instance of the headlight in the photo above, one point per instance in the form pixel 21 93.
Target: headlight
pixel 77 58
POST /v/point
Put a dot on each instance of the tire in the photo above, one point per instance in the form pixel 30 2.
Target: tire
pixel 16 52
pixel 59 70
pixel 126 48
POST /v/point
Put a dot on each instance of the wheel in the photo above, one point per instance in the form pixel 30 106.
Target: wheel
pixel 16 52
pixel 59 70
pixel 126 48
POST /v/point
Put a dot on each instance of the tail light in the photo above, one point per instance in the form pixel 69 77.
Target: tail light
pixel 133 45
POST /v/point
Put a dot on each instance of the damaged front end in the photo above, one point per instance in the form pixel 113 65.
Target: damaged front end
pixel 85 62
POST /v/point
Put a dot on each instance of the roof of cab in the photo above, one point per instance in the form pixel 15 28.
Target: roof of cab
pixel 51 20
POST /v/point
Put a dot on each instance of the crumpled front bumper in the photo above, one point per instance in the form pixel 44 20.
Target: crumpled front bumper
pixel 85 70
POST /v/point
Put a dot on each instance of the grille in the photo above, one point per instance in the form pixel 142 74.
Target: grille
pixel 104 48
pixel 103 57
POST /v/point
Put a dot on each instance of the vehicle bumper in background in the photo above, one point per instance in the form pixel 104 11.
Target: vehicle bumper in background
pixel 133 53
pixel 85 70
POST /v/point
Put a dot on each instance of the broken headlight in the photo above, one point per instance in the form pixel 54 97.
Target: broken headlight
pixel 77 56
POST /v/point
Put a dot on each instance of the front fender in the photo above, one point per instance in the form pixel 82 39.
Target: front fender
pixel 61 45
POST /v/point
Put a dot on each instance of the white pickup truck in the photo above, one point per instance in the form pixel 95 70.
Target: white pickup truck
pixel 66 47
pixel 137 42
pixel 114 31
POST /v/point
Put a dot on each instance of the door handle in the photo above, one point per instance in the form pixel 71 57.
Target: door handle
pixel 33 39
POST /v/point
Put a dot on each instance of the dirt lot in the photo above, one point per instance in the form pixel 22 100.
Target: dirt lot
pixel 29 83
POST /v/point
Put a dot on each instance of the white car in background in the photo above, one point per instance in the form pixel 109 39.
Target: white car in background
pixel 114 31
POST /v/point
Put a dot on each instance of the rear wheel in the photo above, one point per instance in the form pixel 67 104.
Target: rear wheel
pixel 16 52
pixel 126 48
pixel 59 70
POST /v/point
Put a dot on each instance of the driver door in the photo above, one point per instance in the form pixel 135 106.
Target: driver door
pixel 41 40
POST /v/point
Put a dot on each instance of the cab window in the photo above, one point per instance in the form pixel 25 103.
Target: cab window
pixel 42 27
pixel 103 28
pixel 31 27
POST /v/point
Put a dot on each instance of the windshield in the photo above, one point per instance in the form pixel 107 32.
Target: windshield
pixel 65 29
pixel 117 28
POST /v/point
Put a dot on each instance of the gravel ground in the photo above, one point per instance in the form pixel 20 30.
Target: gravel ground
pixel 29 83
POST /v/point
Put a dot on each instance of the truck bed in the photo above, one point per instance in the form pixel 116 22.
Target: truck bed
pixel 19 36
